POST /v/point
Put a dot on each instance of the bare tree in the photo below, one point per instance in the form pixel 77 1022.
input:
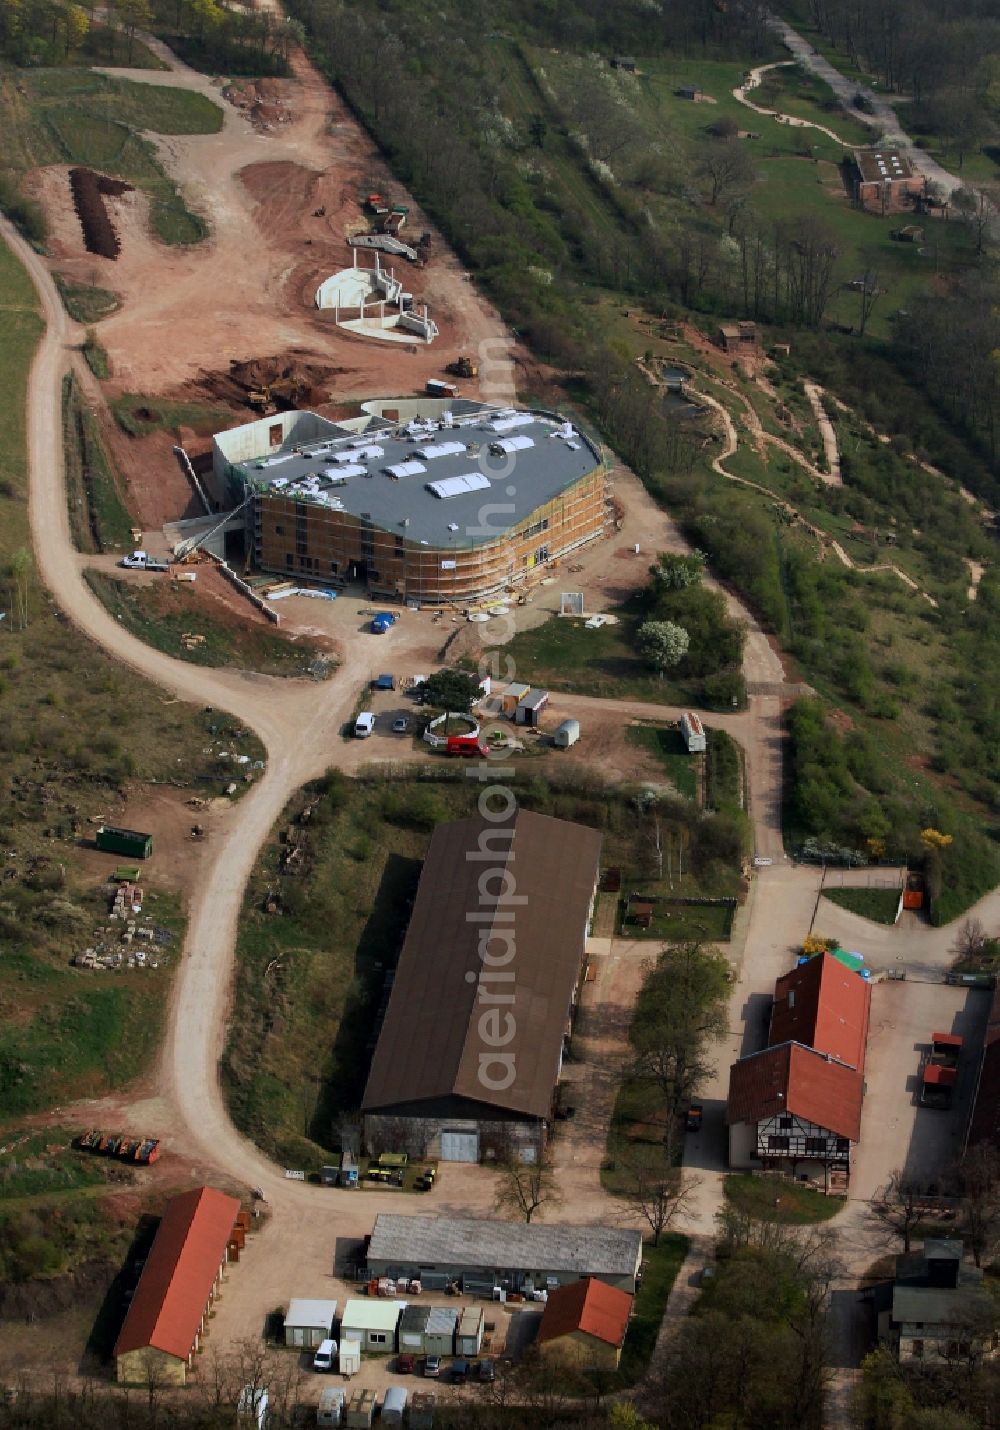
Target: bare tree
pixel 970 941
pixel 657 1192
pixel 727 167
pixel 523 1188
pixel 896 1206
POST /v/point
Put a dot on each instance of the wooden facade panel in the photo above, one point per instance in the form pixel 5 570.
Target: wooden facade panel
pixel 311 541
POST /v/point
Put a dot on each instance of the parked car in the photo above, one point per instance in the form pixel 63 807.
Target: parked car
pixel 401 725
pixel 432 1366
pixel 325 1358
pixel 406 1364
pixel 142 561
pixel 459 1371
pixel 364 725
pixel 487 1372
pixel 692 1118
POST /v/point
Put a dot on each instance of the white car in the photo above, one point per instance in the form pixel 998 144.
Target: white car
pixel 364 725
pixel 326 1355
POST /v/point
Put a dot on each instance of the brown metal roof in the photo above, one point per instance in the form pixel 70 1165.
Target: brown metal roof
pixel 440 1023
pixel 825 1006
pixel 181 1268
pixel 796 1080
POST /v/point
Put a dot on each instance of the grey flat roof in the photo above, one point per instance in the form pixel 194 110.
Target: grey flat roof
pixel 469 1241
pixel 517 483
pixel 938 1305
pixel 302 1311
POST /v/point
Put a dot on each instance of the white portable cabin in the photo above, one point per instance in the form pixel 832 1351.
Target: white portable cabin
pixel 567 734
pixel 694 733
pixel 330 1410
pixel 469 1336
pixel 349 1360
pixel 394 1405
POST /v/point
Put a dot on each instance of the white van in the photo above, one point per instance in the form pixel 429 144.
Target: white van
pixel 364 725
pixel 325 1356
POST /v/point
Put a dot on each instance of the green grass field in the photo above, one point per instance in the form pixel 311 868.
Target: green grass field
pixel 138 415
pixel 160 615
pixel 879 905
pixel 666 744
pixel 72 116
pixel 784 1202
pixel 660 1265
pixel 98 516
pixel 86 302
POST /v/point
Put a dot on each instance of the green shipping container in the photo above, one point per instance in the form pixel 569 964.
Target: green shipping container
pixel 124 841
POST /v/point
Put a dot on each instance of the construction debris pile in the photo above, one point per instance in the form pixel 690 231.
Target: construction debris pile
pixel 261 100
pixel 272 383
pixel 133 946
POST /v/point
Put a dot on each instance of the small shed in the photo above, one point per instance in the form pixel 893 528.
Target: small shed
pixel 469 1336
pixel 384 682
pixel 689 91
pixel 567 734
pixel 623 62
pixel 423 1404
pixel 909 233
pixel 309 1323
pixel 373 1323
pixel 512 697
pixel 694 733
pixel 330 1410
pixel 529 709
pixel 584 1324
pixel 428 1330
pixel 349 1359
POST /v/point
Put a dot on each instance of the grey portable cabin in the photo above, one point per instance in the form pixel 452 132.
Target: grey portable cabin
pixel 567 734
pixel 428 1330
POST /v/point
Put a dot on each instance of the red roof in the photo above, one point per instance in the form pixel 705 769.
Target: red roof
pixel 825 1006
pixel 589 1306
pixel 796 1080
pixel 937 1076
pixel 181 1268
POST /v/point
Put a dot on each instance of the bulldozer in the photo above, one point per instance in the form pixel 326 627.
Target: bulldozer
pixel 463 367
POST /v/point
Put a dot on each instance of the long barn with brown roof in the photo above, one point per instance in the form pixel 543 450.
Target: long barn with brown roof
pixel 469 1054
pixel 797 1103
pixel 182 1274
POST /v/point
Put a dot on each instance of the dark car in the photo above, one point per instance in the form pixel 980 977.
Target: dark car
pixel 405 1365
pixel 692 1119
pixel 487 1372
pixel 459 1372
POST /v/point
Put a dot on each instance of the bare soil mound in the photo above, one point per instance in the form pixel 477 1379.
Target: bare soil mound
pixel 293 379
pixel 262 100
pixel 89 191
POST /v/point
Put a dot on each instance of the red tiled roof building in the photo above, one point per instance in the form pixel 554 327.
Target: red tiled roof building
pixel 585 1322
pixel 799 1100
pixel 179 1282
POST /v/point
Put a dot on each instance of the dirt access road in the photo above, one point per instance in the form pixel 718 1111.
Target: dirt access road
pixel 247 290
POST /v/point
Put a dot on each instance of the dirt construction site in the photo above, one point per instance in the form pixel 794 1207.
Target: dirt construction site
pixel 280 188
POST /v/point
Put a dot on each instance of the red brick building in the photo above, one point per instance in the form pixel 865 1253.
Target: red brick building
pixel 883 181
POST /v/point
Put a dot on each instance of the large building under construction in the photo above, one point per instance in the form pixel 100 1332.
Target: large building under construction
pixel 456 503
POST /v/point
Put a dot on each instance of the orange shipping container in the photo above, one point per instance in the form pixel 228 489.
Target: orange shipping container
pixel 913 899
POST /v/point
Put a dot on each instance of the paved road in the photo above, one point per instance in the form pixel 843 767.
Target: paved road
pixel 882 118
